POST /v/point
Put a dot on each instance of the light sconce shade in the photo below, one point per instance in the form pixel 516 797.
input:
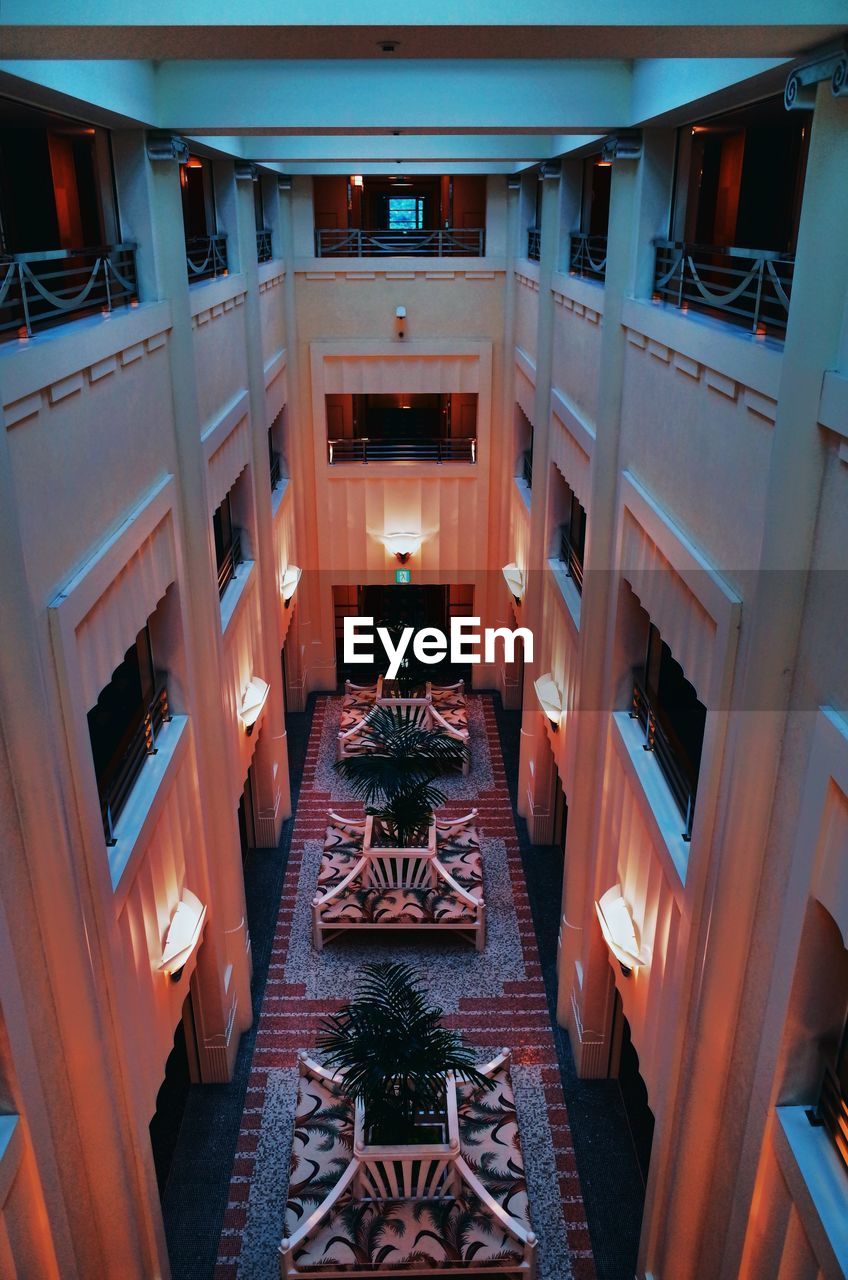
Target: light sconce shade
pixel 550 698
pixel 514 578
pixel 255 697
pixel 402 545
pixel 619 931
pixel 183 936
pixel 356 180
pixel 288 583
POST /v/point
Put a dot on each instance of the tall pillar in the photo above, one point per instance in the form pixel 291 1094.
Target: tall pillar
pixel 700 1193
pixel 152 214
pixel 638 204
pixel 535 769
pixel 272 749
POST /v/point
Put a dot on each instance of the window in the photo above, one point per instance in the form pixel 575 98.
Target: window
pixel 274 460
pixel 227 545
pixel 122 727
pixel 406 213
pixel 667 706
pixel 573 540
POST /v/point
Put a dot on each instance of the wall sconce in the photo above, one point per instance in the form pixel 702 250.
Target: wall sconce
pixel 288 583
pixel 356 180
pixel 550 698
pixel 514 578
pixel 255 697
pixel 183 936
pixel 619 931
pixel 402 545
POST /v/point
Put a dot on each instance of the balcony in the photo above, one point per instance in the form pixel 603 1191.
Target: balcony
pixel 587 256
pixel 229 562
pixel 418 449
pixel 447 242
pixel 746 287
pixel 206 257
pixel 534 243
pixel 527 468
pixel 276 470
pixel 116 788
pixel 42 289
pixel 264 247
pixel 683 790
pixel 572 558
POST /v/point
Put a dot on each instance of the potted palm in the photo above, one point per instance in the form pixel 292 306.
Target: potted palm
pixel 394 775
pixel 394 1059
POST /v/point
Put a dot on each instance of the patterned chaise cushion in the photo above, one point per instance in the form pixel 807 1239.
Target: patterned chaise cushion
pixel 342 848
pixel 396 906
pixel 459 853
pixel 489 1142
pixel 322 1147
pixel 400 1234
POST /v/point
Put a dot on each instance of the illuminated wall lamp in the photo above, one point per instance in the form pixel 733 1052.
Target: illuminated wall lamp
pixel 183 936
pixel 255 697
pixel 402 545
pixel 620 932
pixel 514 578
pixel 550 698
pixel 288 584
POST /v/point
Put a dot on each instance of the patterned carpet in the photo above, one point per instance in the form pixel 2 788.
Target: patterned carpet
pixel 507 1009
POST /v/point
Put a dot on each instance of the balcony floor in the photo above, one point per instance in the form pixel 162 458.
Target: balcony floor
pixel 210 1190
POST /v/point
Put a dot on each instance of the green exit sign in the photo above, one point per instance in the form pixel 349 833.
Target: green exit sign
pixel 403 577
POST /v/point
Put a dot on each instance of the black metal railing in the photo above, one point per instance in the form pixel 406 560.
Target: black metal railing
pixel 418 449
pixel 115 789
pixel 206 257
pixel 276 471
pixel 264 247
pixel 534 243
pixel 570 558
pixel 40 289
pixel 657 742
pixel 527 467
pixel 445 242
pixel 230 561
pixel 833 1112
pixel 750 287
pixel 587 256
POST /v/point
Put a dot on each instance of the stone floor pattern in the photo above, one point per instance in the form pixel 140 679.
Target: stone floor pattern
pixel 496 999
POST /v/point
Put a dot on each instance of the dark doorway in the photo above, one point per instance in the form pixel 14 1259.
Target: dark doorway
pixel 560 813
pixel 181 1070
pixel 624 1062
pixel 246 817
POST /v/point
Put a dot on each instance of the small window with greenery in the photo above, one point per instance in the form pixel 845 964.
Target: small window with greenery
pixel 667 707
pixel 573 540
pixel 228 554
pixel 123 726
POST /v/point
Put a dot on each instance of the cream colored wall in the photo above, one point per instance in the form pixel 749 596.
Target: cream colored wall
pixel 577 342
pixel 527 308
pixel 219 343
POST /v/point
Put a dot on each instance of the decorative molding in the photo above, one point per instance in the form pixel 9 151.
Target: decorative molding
pixel 802 81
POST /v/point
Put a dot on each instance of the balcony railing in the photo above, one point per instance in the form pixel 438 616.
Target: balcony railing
pixel 206 257
pixel 572 561
pixel 276 471
pixel 833 1112
pixel 264 247
pixel 230 561
pixel 666 757
pixel 527 467
pixel 588 256
pixel 40 289
pixel 534 243
pixel 750 287
pixel 142 744
pixel 419 449
pixel 446 242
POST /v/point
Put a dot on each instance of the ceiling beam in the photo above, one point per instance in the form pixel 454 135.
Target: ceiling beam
pixel 393 150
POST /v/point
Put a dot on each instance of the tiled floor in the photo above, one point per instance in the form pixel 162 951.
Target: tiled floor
pixel 201 1196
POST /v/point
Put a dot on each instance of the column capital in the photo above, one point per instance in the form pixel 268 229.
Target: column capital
pixel 626 145
pixel 166 146
pixel 830 63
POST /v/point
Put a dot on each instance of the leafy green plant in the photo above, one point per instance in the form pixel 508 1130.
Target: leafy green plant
pixel 394 1052
pixel 395 772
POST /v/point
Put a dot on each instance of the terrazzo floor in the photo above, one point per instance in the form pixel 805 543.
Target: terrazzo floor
pixel 496 999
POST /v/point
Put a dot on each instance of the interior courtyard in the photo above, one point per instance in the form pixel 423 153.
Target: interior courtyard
pixel 331 947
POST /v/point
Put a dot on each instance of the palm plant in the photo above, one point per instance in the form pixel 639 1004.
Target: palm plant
pixel 399 762
pixel 394 1052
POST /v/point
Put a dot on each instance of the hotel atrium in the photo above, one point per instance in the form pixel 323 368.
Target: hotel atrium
pixel 424 640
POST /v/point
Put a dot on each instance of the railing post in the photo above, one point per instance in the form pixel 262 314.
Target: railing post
pixel 106 266
pixel 24 303
pixel 760 270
